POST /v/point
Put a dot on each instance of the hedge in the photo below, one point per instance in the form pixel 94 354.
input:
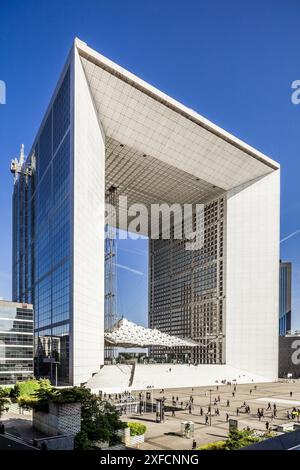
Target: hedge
pixel 136 429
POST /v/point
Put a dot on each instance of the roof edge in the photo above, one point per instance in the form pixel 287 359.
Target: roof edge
pixel 98 59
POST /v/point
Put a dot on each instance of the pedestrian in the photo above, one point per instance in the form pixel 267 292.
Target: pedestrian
pixel 190 409
pixel 233 394
pixel 237 411
pixel 228 403
pixel 194 445
pixel 206 419
pixel 269 406
pixel 250 391
pixel 201 411
pixel 173 411
pixel 227 417
pixel 291 394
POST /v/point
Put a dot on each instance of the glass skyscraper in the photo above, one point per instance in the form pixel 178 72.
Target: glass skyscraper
pixel 285 298
pixel 41 244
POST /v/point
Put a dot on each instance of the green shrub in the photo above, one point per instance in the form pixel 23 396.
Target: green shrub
pixel 136 429
pixel 218 445
pixel 5 392
pixel 81 441
pixel 238 439
pixel 29 387
pixel 27 401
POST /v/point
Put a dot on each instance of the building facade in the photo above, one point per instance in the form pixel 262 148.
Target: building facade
pixel 289 356
pixel 104 128
pixel 16 342
pixel 285 298
pixel 187 290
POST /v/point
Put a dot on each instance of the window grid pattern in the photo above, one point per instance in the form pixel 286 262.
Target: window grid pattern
pixel 187 290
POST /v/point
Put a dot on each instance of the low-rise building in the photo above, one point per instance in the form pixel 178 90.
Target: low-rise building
pixel 16 342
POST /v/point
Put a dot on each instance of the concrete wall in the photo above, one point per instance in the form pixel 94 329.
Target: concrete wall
pixel 61 419
pixel 252 276
pixel 88 236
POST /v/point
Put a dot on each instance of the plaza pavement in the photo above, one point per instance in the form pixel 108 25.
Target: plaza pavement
pixel 166 436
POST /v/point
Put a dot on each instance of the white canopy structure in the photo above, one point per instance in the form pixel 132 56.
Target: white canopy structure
pixel 127 334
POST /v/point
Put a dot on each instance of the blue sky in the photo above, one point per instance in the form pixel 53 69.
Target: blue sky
pixel 232 61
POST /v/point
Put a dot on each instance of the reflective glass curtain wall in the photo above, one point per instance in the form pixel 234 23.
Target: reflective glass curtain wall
pixel 41 258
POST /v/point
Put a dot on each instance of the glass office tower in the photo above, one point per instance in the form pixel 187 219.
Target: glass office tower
pixel 41 244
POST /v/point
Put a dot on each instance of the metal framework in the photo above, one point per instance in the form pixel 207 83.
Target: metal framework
pixel 110 308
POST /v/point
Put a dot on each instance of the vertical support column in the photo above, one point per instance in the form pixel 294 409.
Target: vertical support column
pixel 88 232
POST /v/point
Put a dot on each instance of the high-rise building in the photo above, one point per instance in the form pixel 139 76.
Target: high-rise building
pixel 16 342
pixel 285 298
pixel 105 128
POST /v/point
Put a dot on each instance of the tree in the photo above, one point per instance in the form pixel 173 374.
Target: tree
pixel 238 439
pixel 4 400
pixel 100 421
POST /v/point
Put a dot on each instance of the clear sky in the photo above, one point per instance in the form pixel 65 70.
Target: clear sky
pixel 232 61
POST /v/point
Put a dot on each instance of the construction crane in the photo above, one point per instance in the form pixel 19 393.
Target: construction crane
pixel 18 167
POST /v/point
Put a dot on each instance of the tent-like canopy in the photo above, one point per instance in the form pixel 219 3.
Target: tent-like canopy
pixel 127 334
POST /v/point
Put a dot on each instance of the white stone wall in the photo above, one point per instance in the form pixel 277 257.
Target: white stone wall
pixel 252 276
pixel 88 271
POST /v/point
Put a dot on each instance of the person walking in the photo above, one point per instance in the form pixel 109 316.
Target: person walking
pixel 269 406
pixel 206 419
pixel 190 408
pixel 267 425
pixel 291 394
pixel 201 411
pixel 228 403
pixel 194 445
pixel 233 394
pixel 237 411
pixel 227 417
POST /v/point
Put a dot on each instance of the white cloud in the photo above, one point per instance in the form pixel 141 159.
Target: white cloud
pixel 127 268
pixel 290 236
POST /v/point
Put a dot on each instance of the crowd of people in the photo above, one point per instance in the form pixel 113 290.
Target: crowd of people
pixel 212 410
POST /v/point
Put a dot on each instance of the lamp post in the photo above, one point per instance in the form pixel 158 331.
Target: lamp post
pixel 210 390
